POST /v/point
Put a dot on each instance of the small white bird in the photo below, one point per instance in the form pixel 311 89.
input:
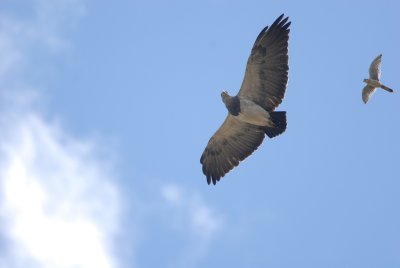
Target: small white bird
pixel 374 79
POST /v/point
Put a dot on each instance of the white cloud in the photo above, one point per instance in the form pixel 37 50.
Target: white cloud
pixel 58 199
pixel 59 206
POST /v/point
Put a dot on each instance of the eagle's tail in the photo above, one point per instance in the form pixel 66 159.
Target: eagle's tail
pixel 279 120
pixel 386 88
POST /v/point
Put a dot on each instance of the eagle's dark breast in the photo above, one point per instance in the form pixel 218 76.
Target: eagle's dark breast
pixel 233 105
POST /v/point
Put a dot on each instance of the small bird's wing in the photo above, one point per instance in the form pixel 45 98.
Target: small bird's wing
pixel 266 75
pixel 367 93
pixel 232 143
pixel 375 68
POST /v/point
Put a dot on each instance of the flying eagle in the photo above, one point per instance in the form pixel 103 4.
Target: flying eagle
pixel 374 79
pixel 251 112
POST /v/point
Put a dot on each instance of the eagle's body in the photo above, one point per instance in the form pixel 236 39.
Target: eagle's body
pixel 251 113
pixel 247 111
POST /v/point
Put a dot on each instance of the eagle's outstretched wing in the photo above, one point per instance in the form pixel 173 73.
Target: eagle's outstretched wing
pixel 266 75
pixel 232 143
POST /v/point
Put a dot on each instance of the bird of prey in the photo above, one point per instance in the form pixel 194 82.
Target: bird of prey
pixel 251 113
pixel 374 79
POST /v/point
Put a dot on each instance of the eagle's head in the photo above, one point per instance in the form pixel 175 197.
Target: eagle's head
pixel 225 96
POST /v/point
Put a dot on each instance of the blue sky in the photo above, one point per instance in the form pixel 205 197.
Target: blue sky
pixel 107 107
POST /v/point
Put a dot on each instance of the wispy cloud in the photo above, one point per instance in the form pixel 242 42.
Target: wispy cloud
pixel 202 220
pixel 192 216
pixel 58 202
pixel 59 205
pixel 10 55
pixel 41 28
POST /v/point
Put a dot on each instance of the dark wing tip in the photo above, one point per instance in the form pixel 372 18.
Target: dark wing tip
pixel 213 179
pixel 278 25
pixel 261 33
pixel 278 22
pixel 213 171
pixel 281 24
pixel 279 18
pixel 212 175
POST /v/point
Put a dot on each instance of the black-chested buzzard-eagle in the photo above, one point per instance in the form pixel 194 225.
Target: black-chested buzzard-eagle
pixel 251 113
